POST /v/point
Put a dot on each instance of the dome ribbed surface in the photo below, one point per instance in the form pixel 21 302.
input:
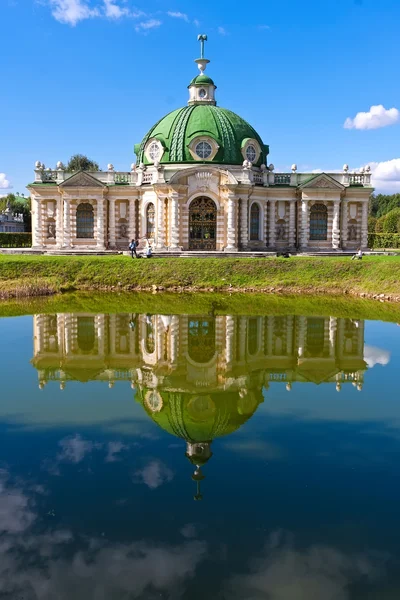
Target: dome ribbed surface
pixel 203 417
pixel 177 129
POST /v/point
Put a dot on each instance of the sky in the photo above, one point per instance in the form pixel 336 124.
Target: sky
pixel 319 81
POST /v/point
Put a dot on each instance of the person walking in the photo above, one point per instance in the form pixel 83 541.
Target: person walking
pixel 132 248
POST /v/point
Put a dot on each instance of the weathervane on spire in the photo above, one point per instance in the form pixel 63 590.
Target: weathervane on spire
pixel 202 62
pixel 202 38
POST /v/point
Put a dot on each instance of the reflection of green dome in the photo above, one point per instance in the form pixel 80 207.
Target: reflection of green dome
pixel 200 417
pixel 177 129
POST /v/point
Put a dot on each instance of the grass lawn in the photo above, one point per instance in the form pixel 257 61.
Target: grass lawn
pixel 33 275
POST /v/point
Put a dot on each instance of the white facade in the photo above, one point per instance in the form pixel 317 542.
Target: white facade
pixel 293 210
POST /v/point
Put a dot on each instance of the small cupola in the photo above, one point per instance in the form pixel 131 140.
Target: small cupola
pixel 202 88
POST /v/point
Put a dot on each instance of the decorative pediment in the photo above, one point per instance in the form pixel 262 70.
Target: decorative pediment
pixel 82 179
pixel 322 181
pixel 202 175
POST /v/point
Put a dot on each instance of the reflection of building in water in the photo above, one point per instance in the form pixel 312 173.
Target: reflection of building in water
pixel 198 377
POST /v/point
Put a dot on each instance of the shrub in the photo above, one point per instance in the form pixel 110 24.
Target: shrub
pixel 392 221
pixel 372 224
pixel 379 224
pixel 15 240
pixel 383 240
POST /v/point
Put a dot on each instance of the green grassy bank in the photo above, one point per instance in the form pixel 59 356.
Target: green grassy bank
pixel 201 304
pixel 39 275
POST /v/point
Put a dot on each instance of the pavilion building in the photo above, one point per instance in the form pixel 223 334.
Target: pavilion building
pixel 201 182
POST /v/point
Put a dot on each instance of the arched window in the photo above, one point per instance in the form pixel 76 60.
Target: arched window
pixel 318 222
pixel 85 221
pixel 150 220
pixel 254 222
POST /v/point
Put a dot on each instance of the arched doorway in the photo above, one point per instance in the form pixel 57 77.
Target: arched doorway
pixel 202 224
pixel 318 222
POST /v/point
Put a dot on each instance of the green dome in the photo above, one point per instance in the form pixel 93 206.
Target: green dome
pixel 177 129
pixel 202 417
pixel 202 79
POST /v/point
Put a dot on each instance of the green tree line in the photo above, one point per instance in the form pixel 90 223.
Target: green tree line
pixel 384 213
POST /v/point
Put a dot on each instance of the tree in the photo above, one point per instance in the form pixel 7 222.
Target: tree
pixel 372 224
pixel 379 224
pixel 381 204
pixel 80 162
pixel 392 221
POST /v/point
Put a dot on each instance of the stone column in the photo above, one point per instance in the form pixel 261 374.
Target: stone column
pixel 292 224
pixel 272 223
pixel 174 221
pixel 111 222
pixel 242 338
pixel 289 335
pixel 302 334
pixel 270 335
pixel 332 336
pixel 244 223
pixel 67 335
pixel 229 339
pixel 364 226
pixel 360 339
pixel 160 225
pixel 345 218
pixel 132 219
pixel 59 223
pixel 67 223
pixel 100 326
pixel 336 225
pixel 304 233
pixel 231 232
pixel 37 230
pixel 174 339
pixel 112 328
pixel 100 224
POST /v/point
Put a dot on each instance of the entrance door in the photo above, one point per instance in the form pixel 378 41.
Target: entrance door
pixel 202 224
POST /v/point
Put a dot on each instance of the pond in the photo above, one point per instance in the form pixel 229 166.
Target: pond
pixel 198 456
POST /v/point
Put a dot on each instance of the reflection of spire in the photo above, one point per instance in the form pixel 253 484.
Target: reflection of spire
pixel 198 454
pixel 198 477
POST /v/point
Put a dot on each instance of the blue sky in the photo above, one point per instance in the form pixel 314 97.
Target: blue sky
pixel 92 76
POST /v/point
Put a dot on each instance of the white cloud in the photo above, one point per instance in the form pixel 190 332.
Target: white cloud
pixel 4 182
pixel 222 31
pixel 47 563
pixel 113 11
pixel 377 116
pixel 74 449
pixel 264 27
pixel 178 15
pixel 196 22
pixel 114 448
pixel 147 25
pixel 72 11
pixel 155 474
pixel 189 531
pixel 284 572
pixel 376 356
pixel 386 175
pixel 15 512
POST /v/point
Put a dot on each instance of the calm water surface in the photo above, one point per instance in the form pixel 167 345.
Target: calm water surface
pixel 199 456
